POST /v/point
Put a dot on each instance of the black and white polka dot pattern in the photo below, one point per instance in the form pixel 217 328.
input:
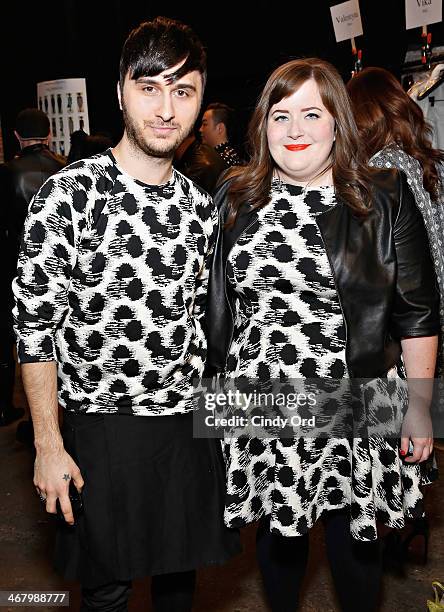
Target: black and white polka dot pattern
pixel 280 272
pixel 112 283
pixel 288 323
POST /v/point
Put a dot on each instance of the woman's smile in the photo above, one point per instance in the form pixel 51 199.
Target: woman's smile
pixel 296 147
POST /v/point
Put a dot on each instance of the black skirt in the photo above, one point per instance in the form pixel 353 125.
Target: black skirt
pixel 153 499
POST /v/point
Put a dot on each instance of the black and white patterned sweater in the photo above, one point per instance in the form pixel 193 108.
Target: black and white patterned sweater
pixel 111 284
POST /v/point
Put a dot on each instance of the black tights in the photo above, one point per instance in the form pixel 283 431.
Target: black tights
pixel 355 566
pixel 169 593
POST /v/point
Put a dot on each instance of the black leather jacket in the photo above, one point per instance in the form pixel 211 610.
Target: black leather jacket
pixel 20 179
pixel 202 165
pixel 382 270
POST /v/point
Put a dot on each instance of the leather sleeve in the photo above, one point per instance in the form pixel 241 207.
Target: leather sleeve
pixel 219 318
pixel 416 307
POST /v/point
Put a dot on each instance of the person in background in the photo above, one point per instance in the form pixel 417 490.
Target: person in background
pixel 314 249
pixel 84 145
pixel 20 179
pixel 76 149
pixel 215 131
pixel 394 134
pixel 199 162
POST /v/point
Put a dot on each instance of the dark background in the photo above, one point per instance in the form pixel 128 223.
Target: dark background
pixel 46 40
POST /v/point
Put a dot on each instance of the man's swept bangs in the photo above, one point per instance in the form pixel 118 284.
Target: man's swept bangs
pixel 156 46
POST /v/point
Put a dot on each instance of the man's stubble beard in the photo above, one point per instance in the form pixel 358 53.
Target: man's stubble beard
pixel 135 136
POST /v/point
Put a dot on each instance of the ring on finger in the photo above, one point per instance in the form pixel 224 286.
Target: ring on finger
pixel 41 496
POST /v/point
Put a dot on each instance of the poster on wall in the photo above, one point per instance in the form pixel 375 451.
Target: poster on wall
pixel 422 12
pixel 65 103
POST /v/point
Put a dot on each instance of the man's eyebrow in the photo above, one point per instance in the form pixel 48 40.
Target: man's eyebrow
pixel 146 79
pixel 184 86
pixel 150 81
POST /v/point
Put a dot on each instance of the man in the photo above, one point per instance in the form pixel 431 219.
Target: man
pixel 200 163
pixel 110 293
pixel 215 130
pixel 20 179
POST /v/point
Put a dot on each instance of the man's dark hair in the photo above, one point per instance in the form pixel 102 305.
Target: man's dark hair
pixel 155 46
pixel 222 113
pixel 32 123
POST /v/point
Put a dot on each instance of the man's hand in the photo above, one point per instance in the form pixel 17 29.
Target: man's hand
pixel 53 470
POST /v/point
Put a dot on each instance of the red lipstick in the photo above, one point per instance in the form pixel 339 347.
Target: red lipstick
pixel 296 147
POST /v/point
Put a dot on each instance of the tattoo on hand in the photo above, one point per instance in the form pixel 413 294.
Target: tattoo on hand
pixel 66 477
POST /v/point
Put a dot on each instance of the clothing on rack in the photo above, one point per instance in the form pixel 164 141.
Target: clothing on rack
pixel 428 93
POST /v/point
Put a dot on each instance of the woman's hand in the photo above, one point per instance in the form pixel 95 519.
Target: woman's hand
pixel 420 359
pixel 417 429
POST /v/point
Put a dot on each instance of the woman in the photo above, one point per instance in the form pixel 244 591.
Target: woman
pixel 395 135
pixel 315 247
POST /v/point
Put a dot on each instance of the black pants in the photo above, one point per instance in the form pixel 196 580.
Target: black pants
pixel 169 593
pixel 356 566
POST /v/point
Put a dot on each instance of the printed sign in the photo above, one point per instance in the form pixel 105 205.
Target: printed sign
pixel 65 103
pixel 422 12
pixel 346 20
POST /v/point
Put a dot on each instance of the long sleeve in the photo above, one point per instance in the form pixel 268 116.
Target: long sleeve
pixel 47 257
pixel 432 211
pixel 219 316
pixel 416 307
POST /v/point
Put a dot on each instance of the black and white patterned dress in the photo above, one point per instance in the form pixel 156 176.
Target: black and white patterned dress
pixel 288 322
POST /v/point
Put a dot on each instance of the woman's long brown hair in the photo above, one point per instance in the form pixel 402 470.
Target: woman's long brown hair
pixel 351 177
pixel 386 115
